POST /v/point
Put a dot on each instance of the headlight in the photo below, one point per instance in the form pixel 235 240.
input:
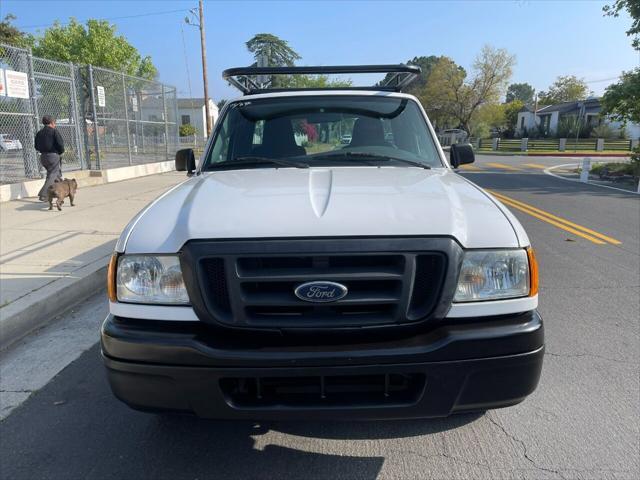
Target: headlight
pixel 493 275
pixel 150 279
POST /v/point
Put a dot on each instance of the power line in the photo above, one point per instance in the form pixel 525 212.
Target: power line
pixel 602 80
pixel 111 18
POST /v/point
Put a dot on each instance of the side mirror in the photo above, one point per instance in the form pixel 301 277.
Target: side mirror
pixel 186 161
pixel 461 154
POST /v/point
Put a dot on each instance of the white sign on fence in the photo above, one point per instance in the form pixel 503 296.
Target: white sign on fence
pixel 134 103
pixel 17 84
pixel 3 90
pixel 101 97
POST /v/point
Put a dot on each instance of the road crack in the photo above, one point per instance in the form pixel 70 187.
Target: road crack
pixel 525 452
pixel 594 355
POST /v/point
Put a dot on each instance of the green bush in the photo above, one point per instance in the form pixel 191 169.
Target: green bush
pixel 187 130
pixel 604 131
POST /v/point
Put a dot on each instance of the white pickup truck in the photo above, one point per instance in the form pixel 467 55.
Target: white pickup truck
pixel 295 276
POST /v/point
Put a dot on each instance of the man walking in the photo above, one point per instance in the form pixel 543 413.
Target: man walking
pixel 49 143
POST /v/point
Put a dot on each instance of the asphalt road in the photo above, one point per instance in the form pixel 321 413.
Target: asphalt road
pixel 582 422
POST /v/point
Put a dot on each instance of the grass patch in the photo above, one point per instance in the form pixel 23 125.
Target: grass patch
pixel 604 170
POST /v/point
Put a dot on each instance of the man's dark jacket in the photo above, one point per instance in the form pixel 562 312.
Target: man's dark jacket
pixel 49 140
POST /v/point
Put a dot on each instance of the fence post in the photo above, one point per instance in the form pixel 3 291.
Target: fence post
pixel 95 118
pixel 634 143
pixel 76 114
pixel 495 143
pixel 524 144
pixel 599 144
pixel 562 144
pixel 126 116
pixel 166 125
pixel 586 167
pixel 31 164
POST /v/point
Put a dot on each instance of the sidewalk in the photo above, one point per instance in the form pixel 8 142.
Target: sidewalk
pixel 50 260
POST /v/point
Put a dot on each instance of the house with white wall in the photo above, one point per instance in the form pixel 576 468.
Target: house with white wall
pixel 191 111
pixel 549 116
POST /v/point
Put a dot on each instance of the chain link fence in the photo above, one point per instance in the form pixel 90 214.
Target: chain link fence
pixel 106 118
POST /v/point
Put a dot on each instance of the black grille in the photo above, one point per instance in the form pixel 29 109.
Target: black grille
pixel 216 285
pixel 324 391
pixel 383 288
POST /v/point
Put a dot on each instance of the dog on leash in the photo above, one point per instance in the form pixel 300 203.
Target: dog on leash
pixel 60 190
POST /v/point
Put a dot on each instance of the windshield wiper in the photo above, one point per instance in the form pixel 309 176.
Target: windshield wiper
pixel 375 156
pixel 251 160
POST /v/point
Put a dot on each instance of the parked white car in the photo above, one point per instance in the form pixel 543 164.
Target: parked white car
pixel 288 281
pixel 9 142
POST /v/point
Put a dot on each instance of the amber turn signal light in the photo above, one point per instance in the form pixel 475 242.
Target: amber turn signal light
pixel 111 278
pixel 533 272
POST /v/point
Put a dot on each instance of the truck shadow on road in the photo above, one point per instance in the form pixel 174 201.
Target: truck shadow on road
pixel 75 428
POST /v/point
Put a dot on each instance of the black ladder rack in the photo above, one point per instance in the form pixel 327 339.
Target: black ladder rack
pixel 246 80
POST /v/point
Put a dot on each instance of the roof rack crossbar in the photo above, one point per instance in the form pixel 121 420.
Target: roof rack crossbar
pixel 242 77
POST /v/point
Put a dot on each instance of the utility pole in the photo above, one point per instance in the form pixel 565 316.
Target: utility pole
pixel 203 46
pixel 203 49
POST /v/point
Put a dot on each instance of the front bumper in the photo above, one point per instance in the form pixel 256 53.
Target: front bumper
pixel 466 365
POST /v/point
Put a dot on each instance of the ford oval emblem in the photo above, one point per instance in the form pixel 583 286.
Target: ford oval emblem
pixel 321 291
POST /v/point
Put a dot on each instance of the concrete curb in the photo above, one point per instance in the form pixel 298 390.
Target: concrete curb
pixel 85 178
pixel 43 306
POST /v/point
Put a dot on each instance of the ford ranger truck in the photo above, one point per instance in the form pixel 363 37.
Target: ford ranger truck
pixel 295 276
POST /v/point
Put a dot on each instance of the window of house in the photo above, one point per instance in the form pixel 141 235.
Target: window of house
pixel 521 122
pixel 186 119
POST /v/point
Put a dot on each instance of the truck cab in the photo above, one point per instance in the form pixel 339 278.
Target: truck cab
pixel 295 275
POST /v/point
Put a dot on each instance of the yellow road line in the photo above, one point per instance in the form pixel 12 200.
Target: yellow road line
pixel 502 166
pixel 470 167
pixel 535 165
pixel 554 223
pixel 549 217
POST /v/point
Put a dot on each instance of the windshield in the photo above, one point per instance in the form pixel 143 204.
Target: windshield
pixel 322 130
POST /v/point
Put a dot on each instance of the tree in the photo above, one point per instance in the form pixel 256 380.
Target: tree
pixel 187 130
pixel 622 100
pixel 11 35
pixel 567 88
pixel 450 94
pixel 273 49
pixel 426 64
pixel 511 111
pixel 520 91
pixel 438 96
pixel 95 43
pixel 633 9
pixel 311 81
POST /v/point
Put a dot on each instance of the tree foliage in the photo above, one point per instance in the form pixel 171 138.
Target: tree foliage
pixel 426 64
pixel 311 81
pixel 567 88
pixel 273 49
pixel 187 130
pixel 520 91
pixel 95 43
pixel 633 9
pixel 448 94
pixel 622 100
pixel 12 35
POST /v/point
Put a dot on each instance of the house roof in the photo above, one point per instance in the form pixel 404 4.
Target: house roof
pixel 591 105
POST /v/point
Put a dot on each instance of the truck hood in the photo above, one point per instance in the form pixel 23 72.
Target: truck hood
pixel 321 202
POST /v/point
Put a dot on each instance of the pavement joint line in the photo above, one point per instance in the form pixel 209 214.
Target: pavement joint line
pixel 524 207
pixel 503 166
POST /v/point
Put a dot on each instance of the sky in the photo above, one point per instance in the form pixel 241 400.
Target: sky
pixel 549 38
